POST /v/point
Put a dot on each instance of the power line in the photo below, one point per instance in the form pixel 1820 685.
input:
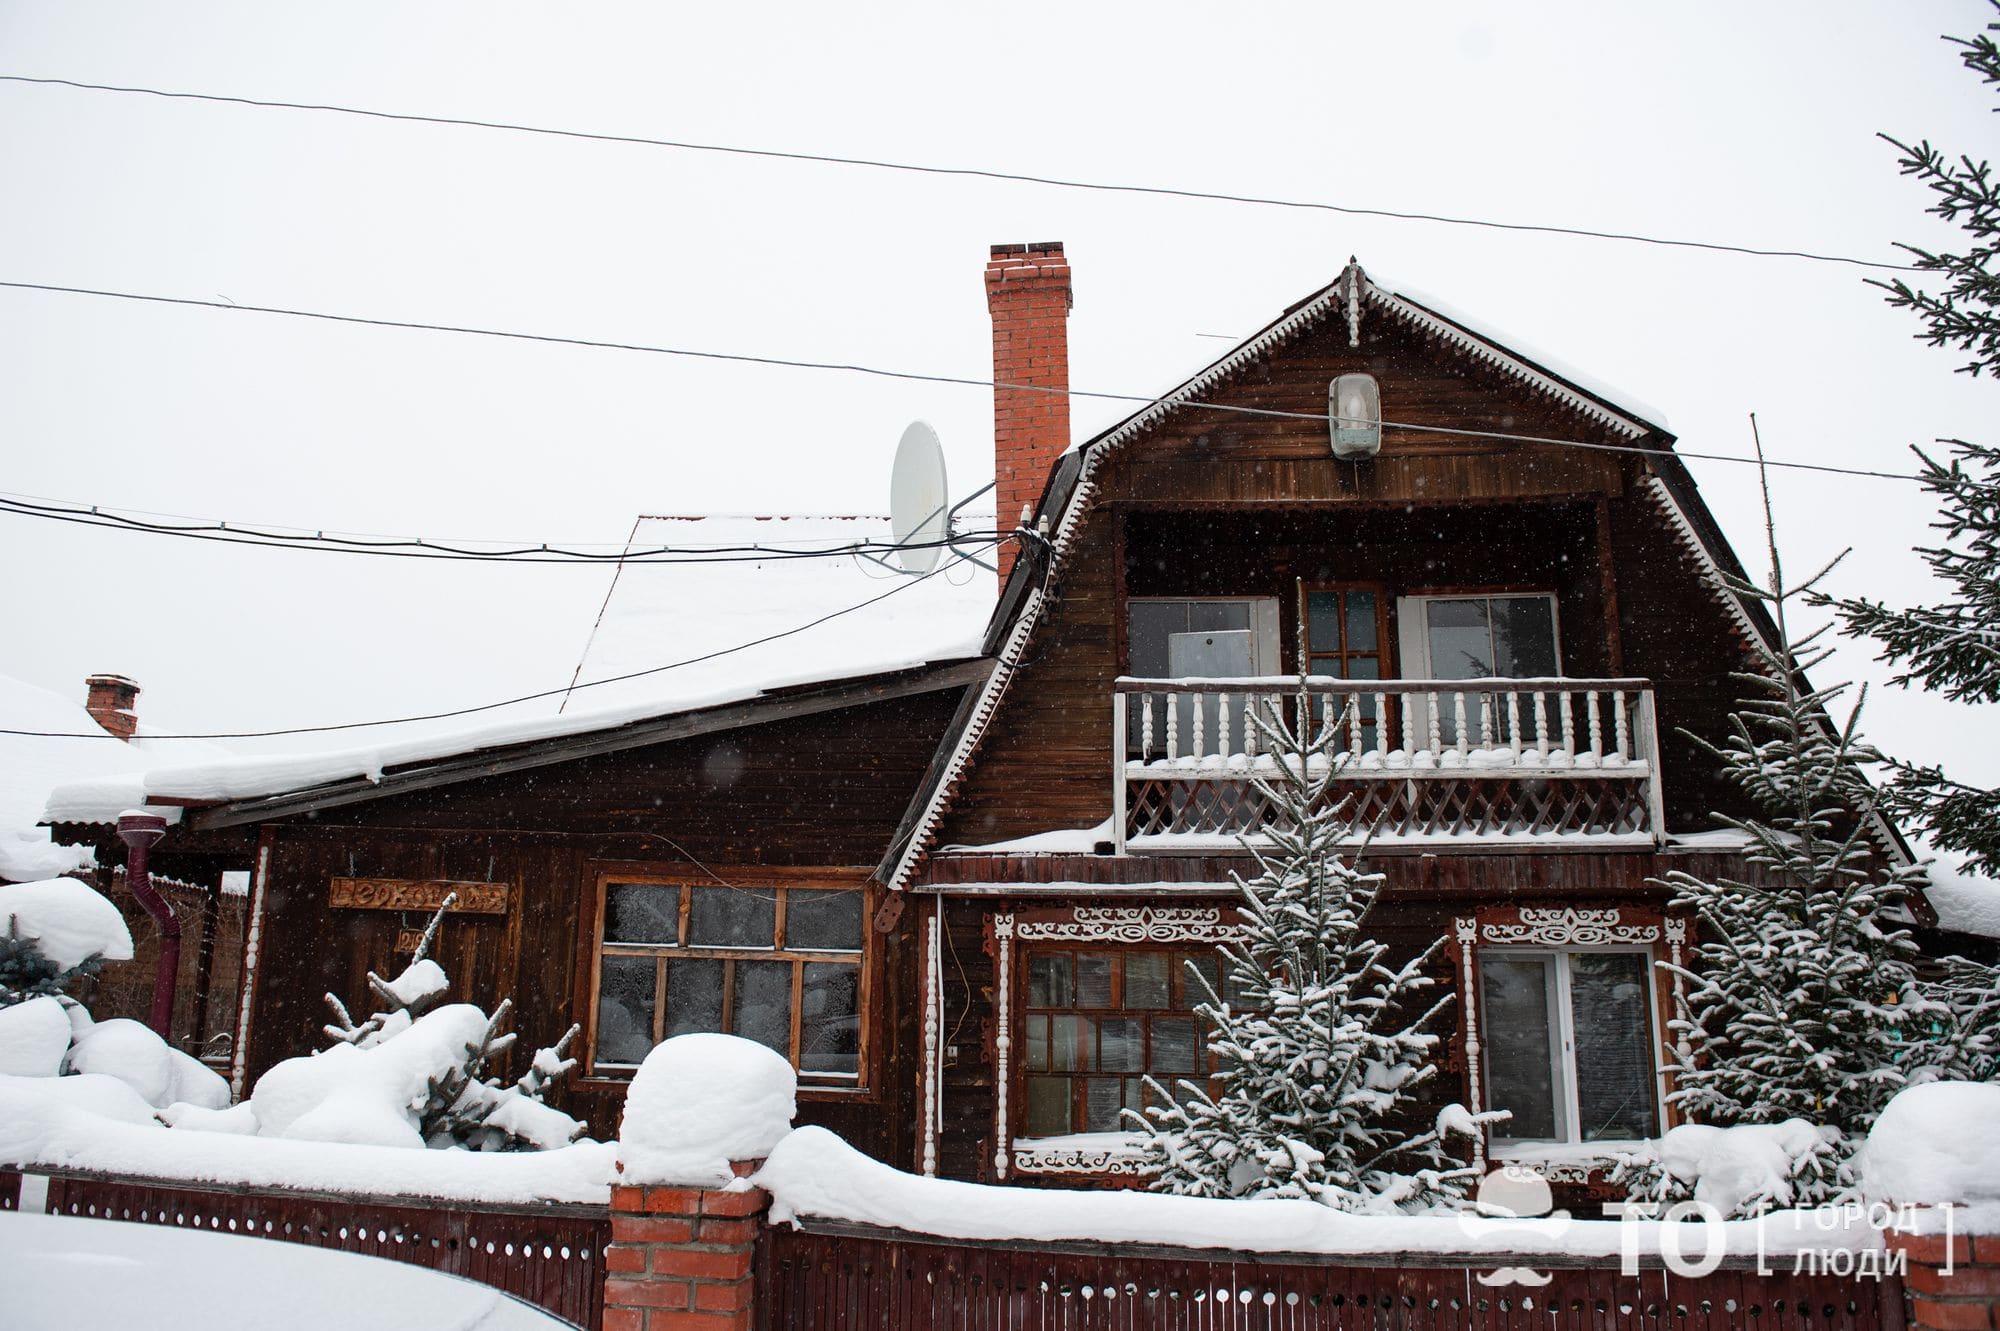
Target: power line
pixel 917 377
pixel 545 693
pixel 236 533
pixel 1057 182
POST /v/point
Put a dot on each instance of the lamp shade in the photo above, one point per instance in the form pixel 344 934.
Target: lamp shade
pixel 1354 405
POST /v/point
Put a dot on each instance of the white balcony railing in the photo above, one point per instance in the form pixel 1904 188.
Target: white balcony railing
pixel 1418 760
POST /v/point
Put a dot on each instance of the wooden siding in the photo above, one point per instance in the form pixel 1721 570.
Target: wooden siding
pixel 817 792
pixel 1213 504
pixel 1418 903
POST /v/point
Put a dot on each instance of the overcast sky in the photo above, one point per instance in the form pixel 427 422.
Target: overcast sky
pixel 1749 124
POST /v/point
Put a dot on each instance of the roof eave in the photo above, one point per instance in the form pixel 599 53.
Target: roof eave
pixel 478 763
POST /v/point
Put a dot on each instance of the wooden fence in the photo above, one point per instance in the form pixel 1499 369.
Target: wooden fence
pixel 826 1277
pixel 549 1254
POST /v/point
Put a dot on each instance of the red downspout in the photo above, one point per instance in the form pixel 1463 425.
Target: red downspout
pixel 140 832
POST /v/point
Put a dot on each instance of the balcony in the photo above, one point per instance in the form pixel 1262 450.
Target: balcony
pixel 1418 762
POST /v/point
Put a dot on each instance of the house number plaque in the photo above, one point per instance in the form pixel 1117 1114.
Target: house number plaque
pixel 417 894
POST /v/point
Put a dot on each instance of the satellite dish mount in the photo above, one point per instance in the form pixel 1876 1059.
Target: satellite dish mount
pixel 921 514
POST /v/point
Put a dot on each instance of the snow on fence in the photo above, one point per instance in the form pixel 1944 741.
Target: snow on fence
pixel 1421 759
pixel 551 1254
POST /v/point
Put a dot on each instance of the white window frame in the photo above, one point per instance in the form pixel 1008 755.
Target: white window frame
pixel 1413 639
pixel 1267 651
pixel 1568 1105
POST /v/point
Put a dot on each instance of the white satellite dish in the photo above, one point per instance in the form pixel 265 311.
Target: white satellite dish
pixel 918 500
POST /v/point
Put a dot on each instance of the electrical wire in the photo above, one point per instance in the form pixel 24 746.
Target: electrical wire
pixel 959 380
pixel 417 547
pixel 1056 182
pixel 533 697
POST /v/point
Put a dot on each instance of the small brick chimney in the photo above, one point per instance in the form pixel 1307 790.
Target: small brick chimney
pixel 110 704
pixel 1028 294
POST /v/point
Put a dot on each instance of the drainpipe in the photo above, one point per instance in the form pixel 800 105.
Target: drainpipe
pixel 141 832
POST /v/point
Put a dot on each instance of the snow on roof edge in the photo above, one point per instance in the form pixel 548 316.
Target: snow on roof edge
pixel 258 776
pixel 1554 367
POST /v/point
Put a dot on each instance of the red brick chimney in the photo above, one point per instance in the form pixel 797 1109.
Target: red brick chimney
pixel 1028 294
pixel 110 704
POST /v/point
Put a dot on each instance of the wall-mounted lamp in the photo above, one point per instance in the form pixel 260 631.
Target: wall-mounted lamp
pixel 1354 404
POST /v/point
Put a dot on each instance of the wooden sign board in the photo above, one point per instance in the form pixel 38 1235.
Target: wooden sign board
pixel 425 894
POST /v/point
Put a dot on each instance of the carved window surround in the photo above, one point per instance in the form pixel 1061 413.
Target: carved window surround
pixel 1080 924
pixel 1560 927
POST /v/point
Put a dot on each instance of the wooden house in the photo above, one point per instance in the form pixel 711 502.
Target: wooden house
pixel 1513 599
pixel 963 895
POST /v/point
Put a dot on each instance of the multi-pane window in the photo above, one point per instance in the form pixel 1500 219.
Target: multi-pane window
pixel 1569 1044
pixel 1098 1022
pixel 1345 638
pixel 778 965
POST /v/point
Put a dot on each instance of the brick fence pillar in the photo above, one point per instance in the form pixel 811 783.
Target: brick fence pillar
pixel 1965 1299
pixel 680 1257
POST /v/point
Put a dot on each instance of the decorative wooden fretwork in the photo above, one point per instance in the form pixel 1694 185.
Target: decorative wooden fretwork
pixel 1113 1158
pixel 1567 927
pixel 1140 924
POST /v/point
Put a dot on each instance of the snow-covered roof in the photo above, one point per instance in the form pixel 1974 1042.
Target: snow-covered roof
pixel 654 615
pixel 1965 903
pixel 30 765
pixel 1513 348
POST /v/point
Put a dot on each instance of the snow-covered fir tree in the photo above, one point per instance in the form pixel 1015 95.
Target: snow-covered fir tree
pixel 1952 647
pixel 1322 1041
pixel 27 972
pixel 54 933
pixel 462 1105
pixel 1803 995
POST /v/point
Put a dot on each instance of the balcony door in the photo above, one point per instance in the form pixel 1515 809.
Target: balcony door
pixel 1347 636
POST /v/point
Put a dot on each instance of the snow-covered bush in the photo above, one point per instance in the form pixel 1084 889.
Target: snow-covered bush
pixel 134 1054
pixel 1323 1042
pixel 1741 1171
pixel 56 931
pixel 414 1074
pixel 53 932
pixel 1937 1144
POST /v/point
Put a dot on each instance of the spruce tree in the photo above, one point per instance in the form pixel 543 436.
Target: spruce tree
pixel 1322 1041
pixel 26 972
pixel 464 1104
pixel 1953 647
pixel 1803 997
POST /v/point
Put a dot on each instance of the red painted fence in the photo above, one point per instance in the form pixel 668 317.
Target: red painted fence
pixel 548 1254
pixel 826 1277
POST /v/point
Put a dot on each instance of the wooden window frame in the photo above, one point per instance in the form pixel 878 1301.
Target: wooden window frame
pixel 1178 951
pixel 1385 645
pixel 780 881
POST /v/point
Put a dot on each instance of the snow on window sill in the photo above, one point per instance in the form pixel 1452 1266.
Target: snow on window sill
pixel 1111 1153
pixel 1564 1162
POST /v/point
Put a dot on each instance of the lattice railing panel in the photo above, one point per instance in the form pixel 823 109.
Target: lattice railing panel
pixel 1438 807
